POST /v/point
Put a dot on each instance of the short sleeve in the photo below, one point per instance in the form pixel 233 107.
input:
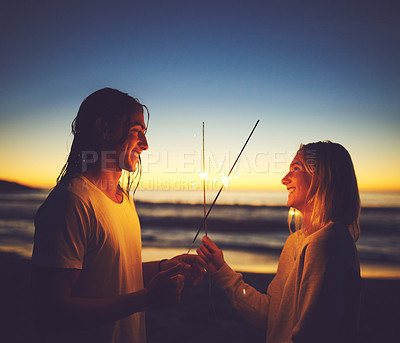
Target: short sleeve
pixel 62 229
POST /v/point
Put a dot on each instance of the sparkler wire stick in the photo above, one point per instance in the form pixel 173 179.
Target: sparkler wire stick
pixel 220 190
pixel 204 186
pixel 205 224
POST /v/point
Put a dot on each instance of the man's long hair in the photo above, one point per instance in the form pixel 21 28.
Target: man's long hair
pixel 333 194
pixel 103 122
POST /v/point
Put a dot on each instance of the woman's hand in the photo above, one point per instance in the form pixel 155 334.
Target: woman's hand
pixel 211 255
pixel 192 266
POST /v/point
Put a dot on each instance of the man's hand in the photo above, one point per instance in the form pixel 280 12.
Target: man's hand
pixel 211 256
pixel 192 266
pixel 166 287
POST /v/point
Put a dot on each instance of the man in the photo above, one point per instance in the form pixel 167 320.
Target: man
pixel 88 281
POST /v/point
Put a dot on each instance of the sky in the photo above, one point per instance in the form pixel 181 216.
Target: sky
pixel 309 70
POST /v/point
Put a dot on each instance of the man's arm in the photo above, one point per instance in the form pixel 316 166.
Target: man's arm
pixel 150 269
pixel 56 310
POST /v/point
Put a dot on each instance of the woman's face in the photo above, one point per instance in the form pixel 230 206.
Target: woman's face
pixel 297 182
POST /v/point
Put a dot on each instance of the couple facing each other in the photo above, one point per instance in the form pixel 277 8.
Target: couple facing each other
pixel 88 280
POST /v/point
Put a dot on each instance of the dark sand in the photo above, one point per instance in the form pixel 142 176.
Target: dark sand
pixel 193 320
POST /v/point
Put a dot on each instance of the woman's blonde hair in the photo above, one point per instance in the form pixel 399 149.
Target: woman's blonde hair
pixel 333 194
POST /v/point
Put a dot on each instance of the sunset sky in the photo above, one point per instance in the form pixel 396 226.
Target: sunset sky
pixel 309 70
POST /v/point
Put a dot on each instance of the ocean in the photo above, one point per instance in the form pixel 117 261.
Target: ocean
pixel 250 226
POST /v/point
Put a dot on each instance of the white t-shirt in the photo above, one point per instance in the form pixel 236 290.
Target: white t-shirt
pixel 79 227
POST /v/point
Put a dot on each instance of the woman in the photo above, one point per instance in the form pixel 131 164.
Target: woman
pixel 315 295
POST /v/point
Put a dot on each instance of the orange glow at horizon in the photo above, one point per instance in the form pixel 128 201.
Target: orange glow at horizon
pixel 182 172
pixel 46 178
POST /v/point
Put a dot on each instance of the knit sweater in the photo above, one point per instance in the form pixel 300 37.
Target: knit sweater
pixel 315 295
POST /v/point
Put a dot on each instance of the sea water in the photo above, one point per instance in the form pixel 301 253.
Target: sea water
pixel 250 226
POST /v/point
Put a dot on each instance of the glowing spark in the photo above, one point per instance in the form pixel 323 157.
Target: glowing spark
pixel 204 176
pixel 244 291
pixel 225 181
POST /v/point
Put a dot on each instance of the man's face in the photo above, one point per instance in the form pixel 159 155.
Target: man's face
pixel 136 142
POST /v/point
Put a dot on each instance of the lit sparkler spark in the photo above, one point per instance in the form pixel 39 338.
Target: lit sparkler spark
pixel 204 176
pixel 226 176
pixel 225 181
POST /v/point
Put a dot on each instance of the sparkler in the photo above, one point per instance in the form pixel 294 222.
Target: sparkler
pixel 222 187
pixel 204 176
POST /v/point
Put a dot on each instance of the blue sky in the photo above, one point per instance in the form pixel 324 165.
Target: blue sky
pixel 310 70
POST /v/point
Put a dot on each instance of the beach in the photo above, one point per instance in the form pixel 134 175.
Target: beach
pixel 251 233
pixel 193 319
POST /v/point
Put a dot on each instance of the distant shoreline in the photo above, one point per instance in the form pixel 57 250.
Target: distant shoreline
pixel 370 200
pixel 10 186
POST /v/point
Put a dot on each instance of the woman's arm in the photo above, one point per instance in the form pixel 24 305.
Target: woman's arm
pixel 250 303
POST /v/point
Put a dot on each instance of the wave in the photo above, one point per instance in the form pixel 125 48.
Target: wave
pixel 245 227
pixel 253 218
